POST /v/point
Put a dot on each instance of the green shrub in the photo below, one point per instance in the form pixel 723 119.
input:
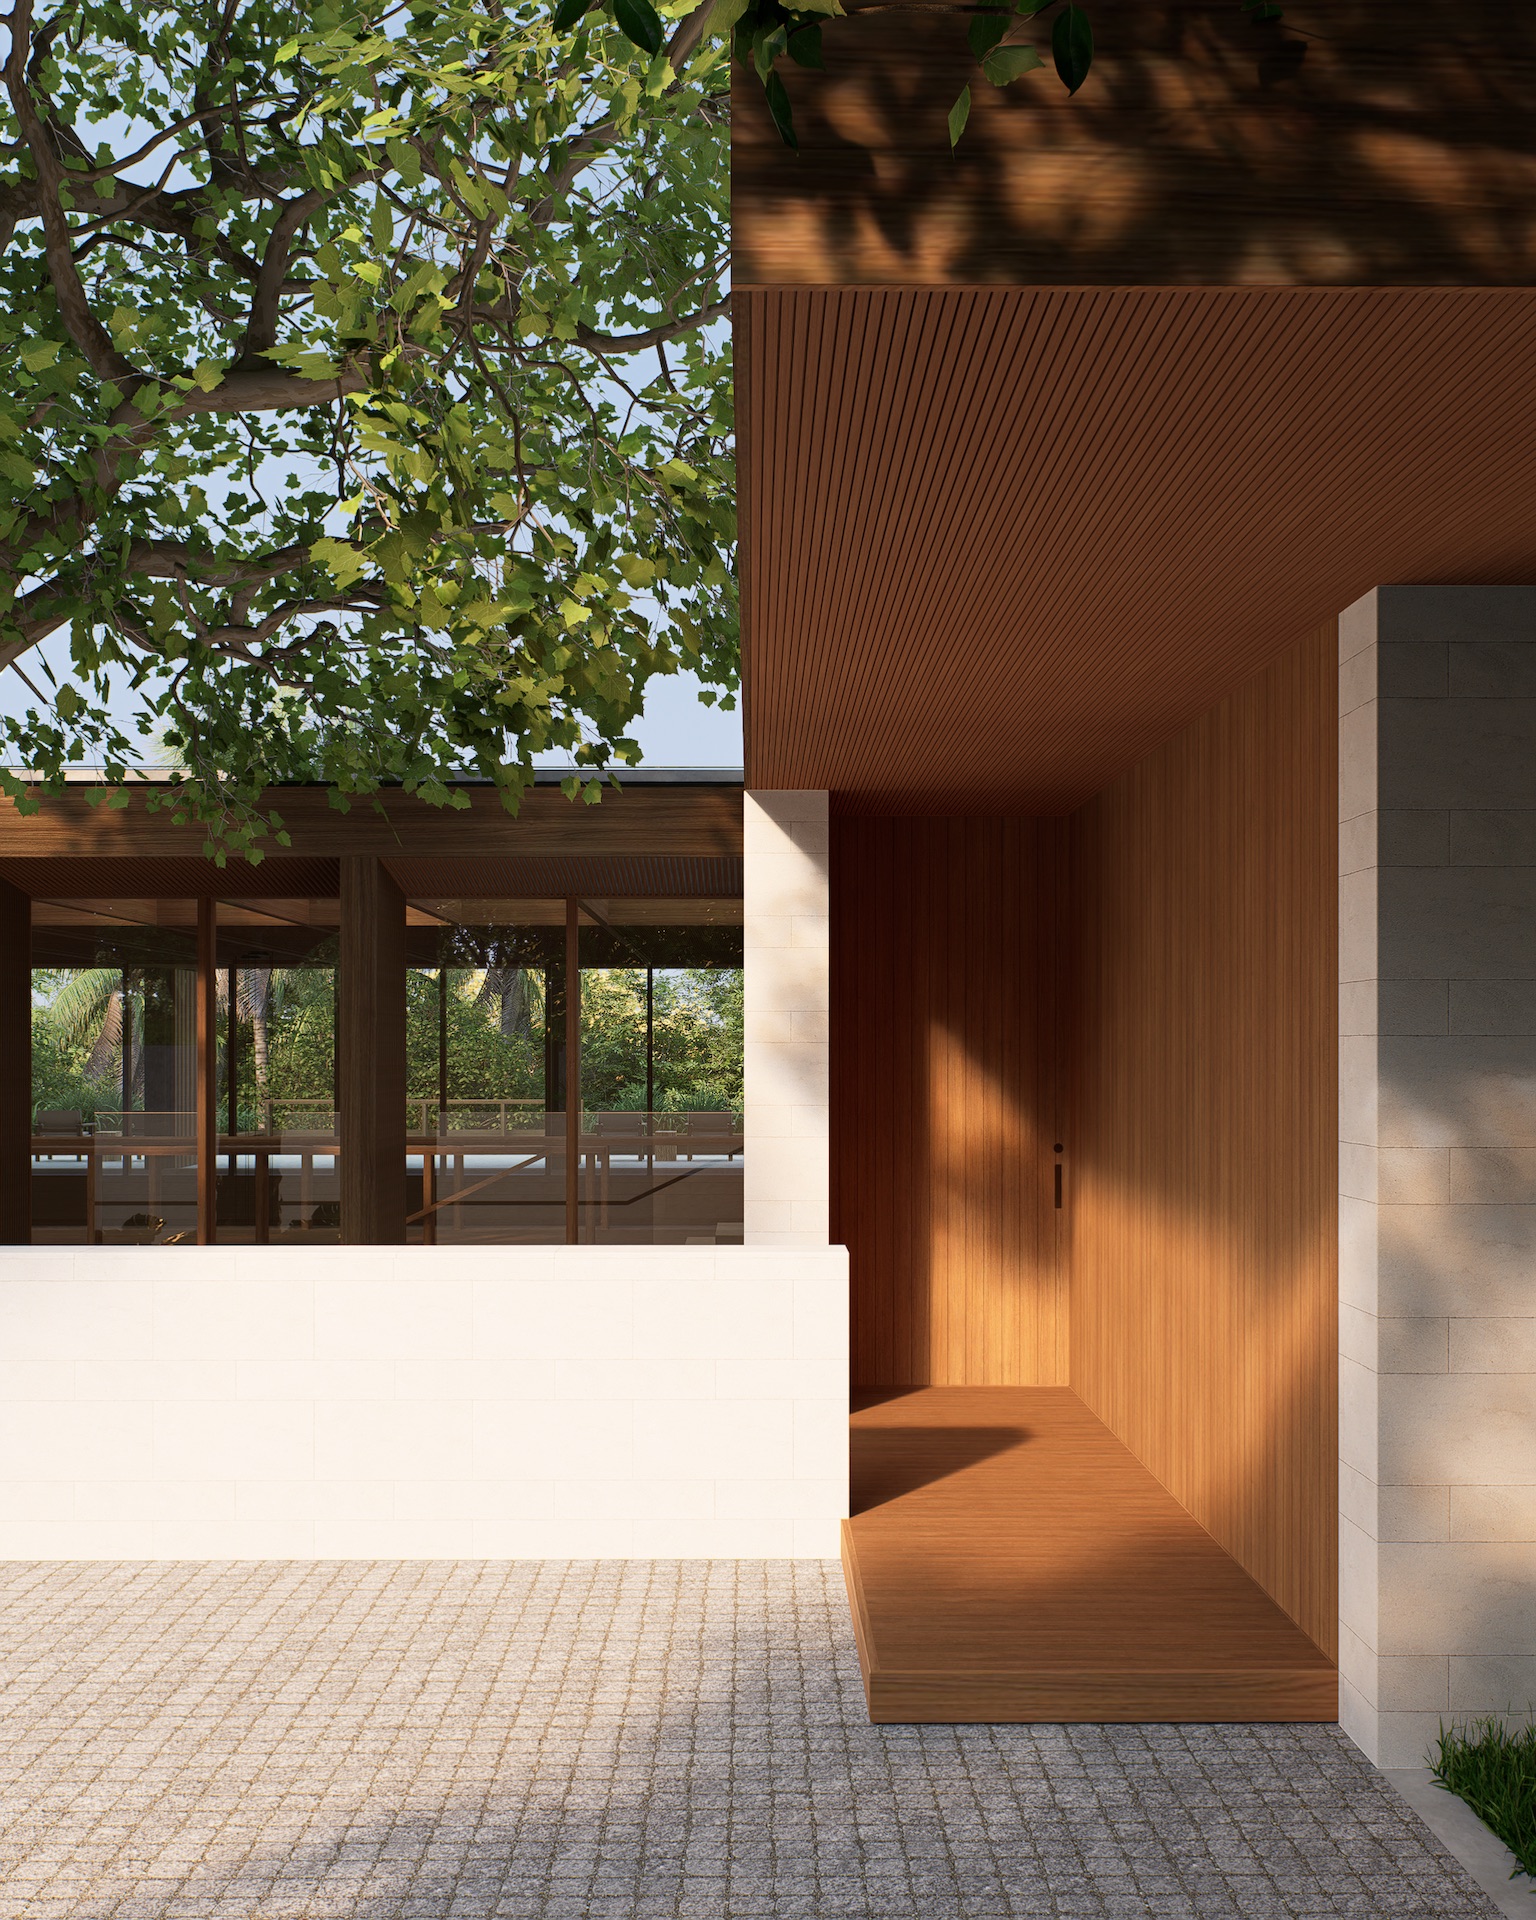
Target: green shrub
pixel 1494 1770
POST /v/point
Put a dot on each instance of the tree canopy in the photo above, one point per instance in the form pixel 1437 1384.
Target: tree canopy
pixel 366 396
pixel 362 402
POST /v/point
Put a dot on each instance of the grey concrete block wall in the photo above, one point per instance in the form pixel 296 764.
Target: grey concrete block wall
pixel 1437 1161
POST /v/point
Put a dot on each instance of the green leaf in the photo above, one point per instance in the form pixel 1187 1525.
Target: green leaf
pixel 567 13
pixel 984 32
pixel 1072 46
pixel 405 160
pixel 1004 64
pixel 343 562
pixel 767 44
pixel 41 353
pixel 959 113
pixel 639 21
pixel 779 107
pixel 805 48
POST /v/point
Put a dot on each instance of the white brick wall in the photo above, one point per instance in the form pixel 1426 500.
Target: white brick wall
pixel 211 1403
pixel 1437 1161
pixel 787 999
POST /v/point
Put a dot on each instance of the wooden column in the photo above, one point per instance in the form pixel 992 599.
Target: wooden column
pixel 206 1098
pixel 371 1037
pixel 572 1071
pixel 232 1050
pixel 15 1066
pixel 442 1050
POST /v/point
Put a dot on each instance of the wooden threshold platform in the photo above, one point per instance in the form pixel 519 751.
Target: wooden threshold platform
pixel 1009 1560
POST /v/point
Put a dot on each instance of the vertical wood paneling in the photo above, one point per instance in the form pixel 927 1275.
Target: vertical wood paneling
pixel 943 1100
pixel 1201 1146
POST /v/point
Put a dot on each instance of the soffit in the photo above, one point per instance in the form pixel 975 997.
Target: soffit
pixel 1000 542
pixel 652 876
pixel 170 878
pixel 164 892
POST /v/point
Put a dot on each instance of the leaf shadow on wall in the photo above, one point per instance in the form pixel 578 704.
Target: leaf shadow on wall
pixel 1206 148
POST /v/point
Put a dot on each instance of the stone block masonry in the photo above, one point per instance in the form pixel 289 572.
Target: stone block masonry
pixel 1437 1161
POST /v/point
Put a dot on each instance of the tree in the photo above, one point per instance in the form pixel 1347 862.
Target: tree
pixel 362 400
pixel 365 398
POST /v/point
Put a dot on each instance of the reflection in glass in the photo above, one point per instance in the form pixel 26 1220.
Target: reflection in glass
pixel 114 1061
pixel 658 1141
pixel 660 1135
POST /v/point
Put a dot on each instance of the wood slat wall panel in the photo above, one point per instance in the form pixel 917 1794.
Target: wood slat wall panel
pixel 1202 1176
pixel 943 1099
pixel 1205 149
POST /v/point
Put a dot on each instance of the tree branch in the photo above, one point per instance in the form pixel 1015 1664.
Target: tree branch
pixel 169 560
pixel 586 147
pixel 87 332
pixel 262 322
pixel 252 390
pixel 653 336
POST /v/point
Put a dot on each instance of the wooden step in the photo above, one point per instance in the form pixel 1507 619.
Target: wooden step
pixel 1009 1560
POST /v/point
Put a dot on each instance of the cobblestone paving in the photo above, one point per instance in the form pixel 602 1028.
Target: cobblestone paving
pixel 477 1741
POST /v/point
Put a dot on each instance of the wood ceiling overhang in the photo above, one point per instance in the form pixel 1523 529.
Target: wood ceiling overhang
pixel 998 543
pixel 647 841
pixel 1047 444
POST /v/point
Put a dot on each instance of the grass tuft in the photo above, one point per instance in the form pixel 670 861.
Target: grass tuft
pixel 1494 1771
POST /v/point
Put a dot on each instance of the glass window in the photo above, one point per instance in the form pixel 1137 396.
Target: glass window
pixel 114 1072
pixel 659 1128
pixel 652 1152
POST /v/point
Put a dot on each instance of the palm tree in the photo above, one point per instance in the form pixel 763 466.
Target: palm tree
pixel 89 1007
pixel 520 997
pixel 253 997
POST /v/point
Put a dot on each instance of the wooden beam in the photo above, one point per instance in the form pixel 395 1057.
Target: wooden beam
pixel 572 1071
pixel 15 1066
pixel 207 1071
pixel 641 824
pixel 371 1039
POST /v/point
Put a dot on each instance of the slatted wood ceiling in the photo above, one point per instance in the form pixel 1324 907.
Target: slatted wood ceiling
pixel 1006 541
pixel 943 1099
pixel 1201 1161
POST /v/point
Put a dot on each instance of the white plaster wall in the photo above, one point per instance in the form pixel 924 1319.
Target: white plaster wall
pixel 787 990
pixel 211 1403
pixel 1437 1161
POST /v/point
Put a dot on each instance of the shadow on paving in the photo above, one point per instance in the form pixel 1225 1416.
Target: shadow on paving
pixel 613 1741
